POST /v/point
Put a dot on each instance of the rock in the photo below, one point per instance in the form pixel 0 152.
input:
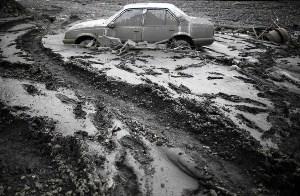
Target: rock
pixel 212 193
pixel 278 35
pixel 79 112
pixel 235 67
pixel 31 89
pixel 82 133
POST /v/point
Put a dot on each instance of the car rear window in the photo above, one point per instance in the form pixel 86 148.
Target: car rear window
pixel 131 17
pixel 157 17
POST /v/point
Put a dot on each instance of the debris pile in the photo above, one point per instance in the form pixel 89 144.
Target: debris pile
pixel 108 43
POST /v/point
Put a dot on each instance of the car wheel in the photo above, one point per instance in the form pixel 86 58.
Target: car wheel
pixel 179 44
pixel 87 43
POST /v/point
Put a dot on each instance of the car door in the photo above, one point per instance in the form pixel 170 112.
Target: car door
pixel 128 25
pixel 159 24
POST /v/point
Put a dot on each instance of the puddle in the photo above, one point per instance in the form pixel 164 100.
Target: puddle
pixel 8 44
pixel 48 104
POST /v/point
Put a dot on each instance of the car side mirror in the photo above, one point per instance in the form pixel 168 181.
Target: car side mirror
pixel 111 25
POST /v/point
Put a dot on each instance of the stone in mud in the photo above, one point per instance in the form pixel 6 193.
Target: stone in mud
pixel 79 112
pixel 82 133
pixel 31 89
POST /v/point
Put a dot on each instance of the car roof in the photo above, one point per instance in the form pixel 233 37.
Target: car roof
pixel 149 5
pixel 156 5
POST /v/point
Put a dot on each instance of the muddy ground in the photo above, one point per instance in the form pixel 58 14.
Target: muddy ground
pixel 219 120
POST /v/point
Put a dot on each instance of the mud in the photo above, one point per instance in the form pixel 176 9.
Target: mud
pixel 219 120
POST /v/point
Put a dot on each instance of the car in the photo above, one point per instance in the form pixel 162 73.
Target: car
pixel 151 22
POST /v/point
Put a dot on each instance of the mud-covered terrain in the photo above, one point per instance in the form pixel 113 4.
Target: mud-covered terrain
pixel 218 120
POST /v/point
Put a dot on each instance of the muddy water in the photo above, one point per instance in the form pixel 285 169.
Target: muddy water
pixel 8 44
pixel 47 103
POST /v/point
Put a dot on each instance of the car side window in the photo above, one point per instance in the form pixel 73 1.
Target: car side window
pixel 155 17
pixel 170 19
pixel 131 17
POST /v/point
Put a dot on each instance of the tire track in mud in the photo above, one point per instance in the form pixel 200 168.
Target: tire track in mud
pixel 61 71
pixel 130 102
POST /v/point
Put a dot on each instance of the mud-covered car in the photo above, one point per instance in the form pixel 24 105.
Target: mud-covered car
pixel 151 22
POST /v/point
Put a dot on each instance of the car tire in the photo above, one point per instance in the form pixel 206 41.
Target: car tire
pixel 87 43
pixel 179 44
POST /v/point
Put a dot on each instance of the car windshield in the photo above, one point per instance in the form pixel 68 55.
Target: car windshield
pixel 179 11
pixel 114 16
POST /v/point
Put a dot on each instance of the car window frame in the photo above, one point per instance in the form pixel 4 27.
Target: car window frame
pixel 176 18
pixel 144 14
pixel 122 12
pixel 165 22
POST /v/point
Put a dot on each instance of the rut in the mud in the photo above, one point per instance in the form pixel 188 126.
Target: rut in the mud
pixel 101 135
pixel 138 94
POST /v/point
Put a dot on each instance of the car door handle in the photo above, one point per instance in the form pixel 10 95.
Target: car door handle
pixel 136 31
pixel 172 30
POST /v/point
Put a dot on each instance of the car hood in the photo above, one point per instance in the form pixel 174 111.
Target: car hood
pixel 89 24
